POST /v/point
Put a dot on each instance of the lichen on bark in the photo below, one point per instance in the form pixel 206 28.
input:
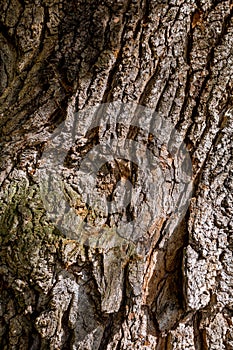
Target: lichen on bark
pixel 173 57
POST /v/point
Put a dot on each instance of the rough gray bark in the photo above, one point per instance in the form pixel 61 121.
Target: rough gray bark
pixel 174 57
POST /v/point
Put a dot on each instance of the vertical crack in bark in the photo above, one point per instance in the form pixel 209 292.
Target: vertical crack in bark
pixel 58 293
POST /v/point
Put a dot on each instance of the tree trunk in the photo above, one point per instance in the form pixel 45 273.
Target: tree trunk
pixel 154 80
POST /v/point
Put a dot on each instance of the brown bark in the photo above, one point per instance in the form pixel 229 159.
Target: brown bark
pixel 172 288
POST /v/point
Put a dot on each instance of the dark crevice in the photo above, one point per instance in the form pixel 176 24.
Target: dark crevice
pixel 208 78
pixel 188 49
pixel 11 40
pixel 149 86
pixel 115 320
pixel 199 333
pixel 107 96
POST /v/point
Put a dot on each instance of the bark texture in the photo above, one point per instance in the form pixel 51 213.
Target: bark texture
pixel 174 57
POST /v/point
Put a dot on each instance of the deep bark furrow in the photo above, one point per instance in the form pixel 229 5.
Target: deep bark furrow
pixel 172 289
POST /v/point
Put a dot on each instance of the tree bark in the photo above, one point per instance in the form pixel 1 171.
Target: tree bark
pixel 167 288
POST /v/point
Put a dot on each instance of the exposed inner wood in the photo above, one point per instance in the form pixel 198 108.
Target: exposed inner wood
pixel 170 288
